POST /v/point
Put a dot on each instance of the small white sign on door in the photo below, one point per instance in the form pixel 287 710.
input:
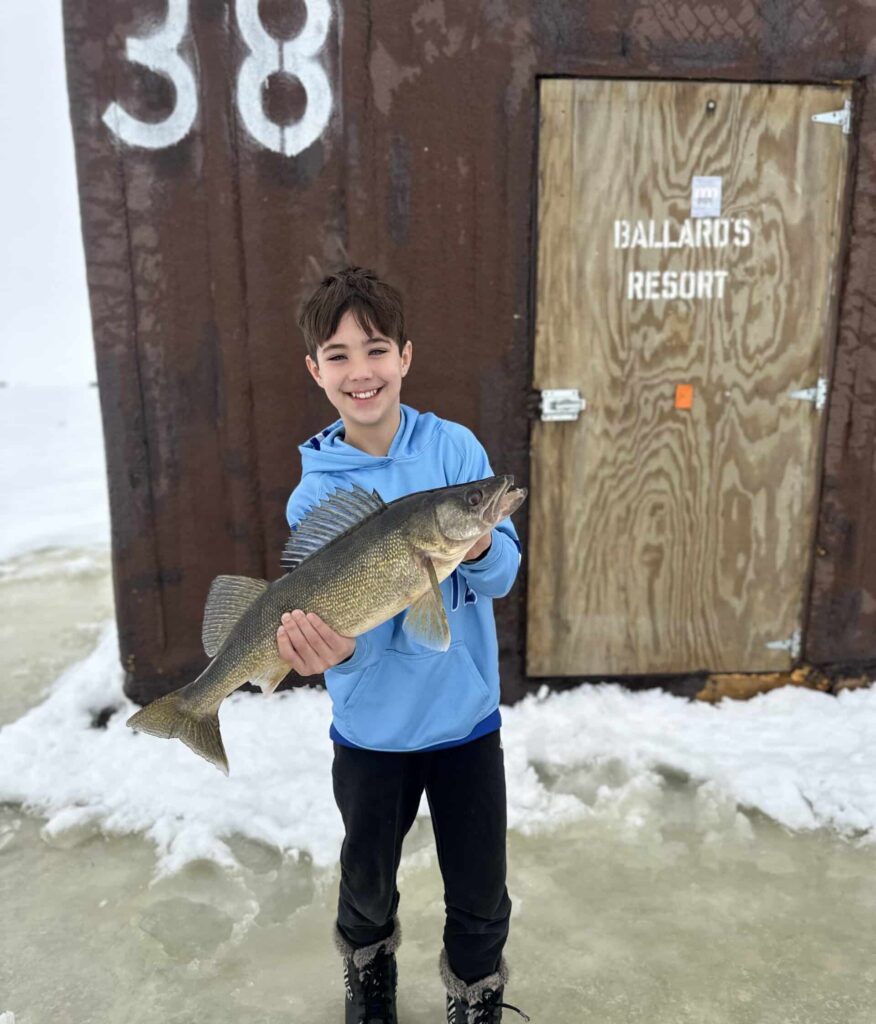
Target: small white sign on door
pixel 705 198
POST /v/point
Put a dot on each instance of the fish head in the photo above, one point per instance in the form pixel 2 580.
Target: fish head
pixel 465 512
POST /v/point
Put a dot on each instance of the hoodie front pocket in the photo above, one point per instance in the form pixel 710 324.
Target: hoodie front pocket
pixel 412 700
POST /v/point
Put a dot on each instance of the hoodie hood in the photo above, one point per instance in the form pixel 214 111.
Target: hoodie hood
pixel 328 452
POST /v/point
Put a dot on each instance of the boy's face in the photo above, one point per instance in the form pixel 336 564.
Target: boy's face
pixel 353 361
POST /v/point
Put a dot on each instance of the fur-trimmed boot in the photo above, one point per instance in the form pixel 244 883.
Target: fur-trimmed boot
pixel 479 1002
pixel 370 979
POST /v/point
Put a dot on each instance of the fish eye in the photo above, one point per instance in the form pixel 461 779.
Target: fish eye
pixel 474 497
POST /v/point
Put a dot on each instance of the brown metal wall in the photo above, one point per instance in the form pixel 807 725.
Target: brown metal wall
pixel 199 254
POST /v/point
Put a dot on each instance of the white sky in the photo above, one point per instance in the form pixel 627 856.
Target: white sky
pixel 45 326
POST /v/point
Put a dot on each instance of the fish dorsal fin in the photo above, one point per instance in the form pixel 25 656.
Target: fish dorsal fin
pixel 334 516
pixel 228 598
pixel 426 620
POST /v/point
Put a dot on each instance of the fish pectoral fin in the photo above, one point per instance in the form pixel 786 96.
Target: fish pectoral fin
pixel 229 597
pixel 271 678
pixel 426 620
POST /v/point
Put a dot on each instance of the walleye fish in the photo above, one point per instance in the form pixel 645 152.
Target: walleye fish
pixel 355 561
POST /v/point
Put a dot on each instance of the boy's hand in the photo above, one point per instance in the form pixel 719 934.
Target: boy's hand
pixel 310 646
pixel 479 547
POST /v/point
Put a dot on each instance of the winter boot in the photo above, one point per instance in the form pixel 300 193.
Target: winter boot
pixel 479 1002
pixel 370 979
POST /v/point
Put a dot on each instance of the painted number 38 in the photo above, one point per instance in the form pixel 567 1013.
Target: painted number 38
pixel 266 56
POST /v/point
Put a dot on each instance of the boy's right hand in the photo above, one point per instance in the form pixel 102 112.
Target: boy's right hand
pixel 310 646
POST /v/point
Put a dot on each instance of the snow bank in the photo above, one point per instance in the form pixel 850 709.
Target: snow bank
pixel 802 757
pixel 799 756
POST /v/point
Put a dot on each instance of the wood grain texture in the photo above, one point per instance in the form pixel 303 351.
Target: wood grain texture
pixel 665 539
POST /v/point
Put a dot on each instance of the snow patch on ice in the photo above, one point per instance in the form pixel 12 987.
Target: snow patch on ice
pixel 53 562
pixel 802 757
pixel 598 752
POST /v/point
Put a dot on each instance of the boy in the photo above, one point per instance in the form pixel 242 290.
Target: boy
pixel 406 718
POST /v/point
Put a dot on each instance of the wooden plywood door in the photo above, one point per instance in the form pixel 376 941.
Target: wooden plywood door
pixel 671 525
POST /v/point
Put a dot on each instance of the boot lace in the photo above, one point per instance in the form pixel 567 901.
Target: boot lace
pixel 376 981
pixel 487 1009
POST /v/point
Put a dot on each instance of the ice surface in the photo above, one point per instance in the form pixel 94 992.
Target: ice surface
pixel 186 929
pixel 657 924
pixel 38 634
pixel 655 876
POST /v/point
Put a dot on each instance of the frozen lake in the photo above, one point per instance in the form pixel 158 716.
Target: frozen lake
pixel 664 928
pixel 663 899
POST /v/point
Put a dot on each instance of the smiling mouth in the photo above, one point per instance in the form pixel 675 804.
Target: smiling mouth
pixel 364 396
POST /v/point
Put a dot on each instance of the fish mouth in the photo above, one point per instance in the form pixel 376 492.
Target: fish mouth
pixel 505 501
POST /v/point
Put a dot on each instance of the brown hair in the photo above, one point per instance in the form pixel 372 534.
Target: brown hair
pixel 374 303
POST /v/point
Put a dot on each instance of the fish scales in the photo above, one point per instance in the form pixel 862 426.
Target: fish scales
pixel 354 583
pixel 363 578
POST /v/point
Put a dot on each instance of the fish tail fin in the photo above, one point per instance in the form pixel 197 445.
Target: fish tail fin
pixel 168 717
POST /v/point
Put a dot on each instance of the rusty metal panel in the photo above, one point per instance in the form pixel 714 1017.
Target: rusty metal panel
pixel 198 251
pixel 179 320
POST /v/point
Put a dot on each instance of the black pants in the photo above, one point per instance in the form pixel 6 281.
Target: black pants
pixel 378 794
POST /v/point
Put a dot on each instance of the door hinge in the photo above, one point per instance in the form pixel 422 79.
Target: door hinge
pixel 792 644
pixel 818 394
pixel 554 404
pixel 842 117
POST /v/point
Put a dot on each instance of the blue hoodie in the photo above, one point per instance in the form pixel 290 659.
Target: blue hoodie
pixel 393 693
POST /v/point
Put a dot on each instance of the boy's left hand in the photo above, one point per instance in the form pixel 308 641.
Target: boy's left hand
pixel 479 547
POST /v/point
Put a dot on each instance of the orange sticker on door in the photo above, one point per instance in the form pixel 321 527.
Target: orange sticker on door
pixel 683 396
